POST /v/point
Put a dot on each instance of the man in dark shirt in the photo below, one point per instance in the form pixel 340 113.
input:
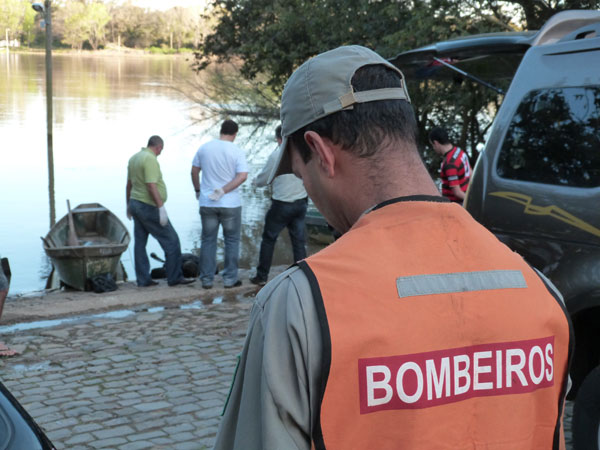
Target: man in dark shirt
pixel 455 171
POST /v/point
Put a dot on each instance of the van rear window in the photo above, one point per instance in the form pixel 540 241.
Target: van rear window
pixel 554 138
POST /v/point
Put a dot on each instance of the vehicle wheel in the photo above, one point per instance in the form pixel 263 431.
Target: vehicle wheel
pixel 586 413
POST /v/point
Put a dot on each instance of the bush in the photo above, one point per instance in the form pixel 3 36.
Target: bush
pixel 164 50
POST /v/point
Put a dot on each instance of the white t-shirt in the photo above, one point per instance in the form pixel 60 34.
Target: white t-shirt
pixel 219 162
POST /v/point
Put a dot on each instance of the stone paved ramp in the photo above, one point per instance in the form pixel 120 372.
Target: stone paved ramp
pixel 152 380
pixel 155 379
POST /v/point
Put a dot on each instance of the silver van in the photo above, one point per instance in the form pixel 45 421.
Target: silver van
pixel 536 185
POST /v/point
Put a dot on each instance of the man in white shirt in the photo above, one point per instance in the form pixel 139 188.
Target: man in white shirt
pixel 288 209
pixel 224 169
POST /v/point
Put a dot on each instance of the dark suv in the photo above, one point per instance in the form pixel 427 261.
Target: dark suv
pixel 536 185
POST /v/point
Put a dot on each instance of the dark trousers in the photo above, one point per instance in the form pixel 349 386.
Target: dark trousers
pixel 145 222
pixel 282 215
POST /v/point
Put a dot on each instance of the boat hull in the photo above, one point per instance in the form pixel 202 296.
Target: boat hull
pixel 102 240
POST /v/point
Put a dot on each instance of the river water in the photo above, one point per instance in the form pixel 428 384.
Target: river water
pixel 105 108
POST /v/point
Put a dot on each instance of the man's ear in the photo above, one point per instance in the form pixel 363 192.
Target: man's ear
pixel 322 150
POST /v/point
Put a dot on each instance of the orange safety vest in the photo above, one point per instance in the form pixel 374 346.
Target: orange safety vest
pixel 435 335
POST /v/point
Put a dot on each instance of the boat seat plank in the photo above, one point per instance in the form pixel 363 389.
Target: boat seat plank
pixel 88 210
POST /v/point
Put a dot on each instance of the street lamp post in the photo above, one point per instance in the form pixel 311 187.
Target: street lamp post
pixel 46 11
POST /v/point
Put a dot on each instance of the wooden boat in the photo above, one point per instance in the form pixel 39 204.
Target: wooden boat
pixel 101 238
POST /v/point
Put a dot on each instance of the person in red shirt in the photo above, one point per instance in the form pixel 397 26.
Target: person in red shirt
pixel 455 171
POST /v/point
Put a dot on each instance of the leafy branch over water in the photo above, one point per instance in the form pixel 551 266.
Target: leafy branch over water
pixel 220 92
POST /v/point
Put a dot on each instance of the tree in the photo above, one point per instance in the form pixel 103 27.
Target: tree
pixel 28 23
pixel 176 27
pixel 219 92
pixel 198 25
pixel 131 25
pixel 84 22
pixel 76 31
pixel 272 38
pixel 96 19
pixel 11 13
pixel 16 19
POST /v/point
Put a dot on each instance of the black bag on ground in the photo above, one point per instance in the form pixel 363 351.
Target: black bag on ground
pixel 190 265
pixel 102 283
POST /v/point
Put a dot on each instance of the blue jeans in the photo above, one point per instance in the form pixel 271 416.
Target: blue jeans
pixel 145 222
pixel 231 220
pixel 281 215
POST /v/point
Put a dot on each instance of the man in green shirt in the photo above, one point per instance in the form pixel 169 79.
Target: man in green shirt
pixel 146 195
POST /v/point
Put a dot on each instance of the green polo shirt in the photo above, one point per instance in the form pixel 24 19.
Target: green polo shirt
pixel 143 168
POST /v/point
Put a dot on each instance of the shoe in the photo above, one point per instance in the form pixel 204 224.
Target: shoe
pixel 183 281
pixel 149 283
pixel 206 286
pixel 236 284
pixel 258 281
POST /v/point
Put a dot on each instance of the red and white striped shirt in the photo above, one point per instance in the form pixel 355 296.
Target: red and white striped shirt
pixel 455 171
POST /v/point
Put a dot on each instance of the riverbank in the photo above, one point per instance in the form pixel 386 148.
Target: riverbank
pixel 155 378
pixel 60 303
pixel 112 50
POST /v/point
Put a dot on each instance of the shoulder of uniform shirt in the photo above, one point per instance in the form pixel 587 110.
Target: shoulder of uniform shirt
pixel 285 285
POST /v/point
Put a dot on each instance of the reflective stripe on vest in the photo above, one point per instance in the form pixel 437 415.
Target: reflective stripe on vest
pixel 435 335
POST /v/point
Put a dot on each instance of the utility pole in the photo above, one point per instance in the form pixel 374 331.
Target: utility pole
pixel 46 11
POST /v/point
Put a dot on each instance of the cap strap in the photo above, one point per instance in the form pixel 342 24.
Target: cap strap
pixel 351 98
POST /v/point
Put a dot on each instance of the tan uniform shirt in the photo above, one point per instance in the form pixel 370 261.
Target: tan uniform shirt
pixel 274 392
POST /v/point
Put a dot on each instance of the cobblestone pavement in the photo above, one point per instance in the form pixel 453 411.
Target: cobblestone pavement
pixel 155 379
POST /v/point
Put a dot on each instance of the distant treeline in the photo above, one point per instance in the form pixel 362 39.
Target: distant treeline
pixel 100 24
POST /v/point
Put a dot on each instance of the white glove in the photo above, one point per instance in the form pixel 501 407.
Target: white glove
pixel 217 194
pixel 197 195
pixel 163 219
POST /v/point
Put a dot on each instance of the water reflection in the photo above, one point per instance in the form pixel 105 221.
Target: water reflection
pixel 105 110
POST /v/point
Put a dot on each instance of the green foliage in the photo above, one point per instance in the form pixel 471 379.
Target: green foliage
pixel 97 23
pixel 75 29
pixel 275 37
pixel 132 26
pixel 15 18
pixel 96 19
pixel 163 50
pixel 11 14
pixel 270 38
pixel 28 23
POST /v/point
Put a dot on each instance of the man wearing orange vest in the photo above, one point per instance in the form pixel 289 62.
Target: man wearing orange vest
pixel 416 329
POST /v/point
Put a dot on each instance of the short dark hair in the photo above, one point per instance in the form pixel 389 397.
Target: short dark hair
pixel 440 135
pixel 229 127
pixel 278 132
pixel 155 141
pixel 363 128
